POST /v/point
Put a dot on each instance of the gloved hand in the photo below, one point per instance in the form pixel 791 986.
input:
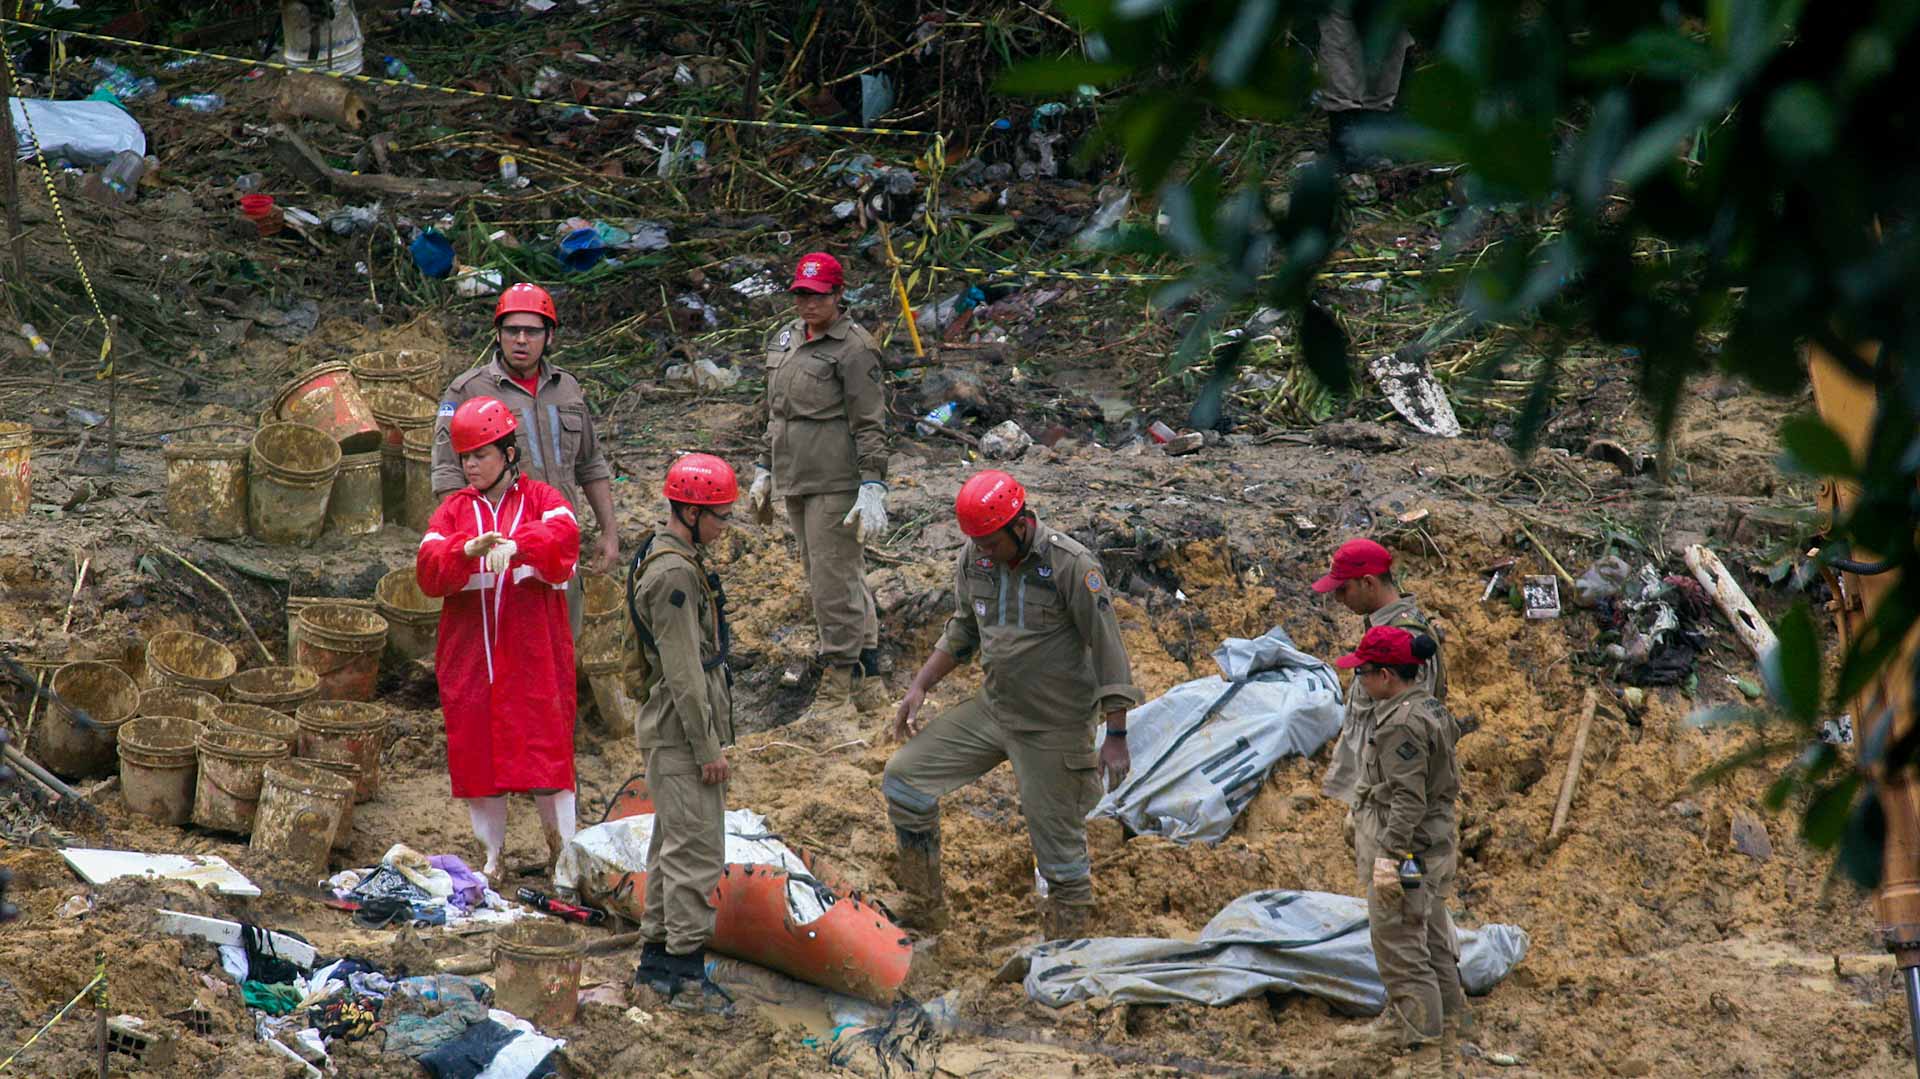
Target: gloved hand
pixel 482 543
pixel 500 557
pixel 1386 877
pixel 869 513
pixel 760 496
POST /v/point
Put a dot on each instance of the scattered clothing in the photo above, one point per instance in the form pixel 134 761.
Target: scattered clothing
pixel 274 999
pixel 466 1056
pixel 469 888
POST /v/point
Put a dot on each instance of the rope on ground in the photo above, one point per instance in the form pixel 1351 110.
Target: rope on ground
pixel 99 980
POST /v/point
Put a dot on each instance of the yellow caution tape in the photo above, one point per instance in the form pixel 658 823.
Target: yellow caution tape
pixel 458 91
pixel 98 979
pixel 59 215
pixel 1149 278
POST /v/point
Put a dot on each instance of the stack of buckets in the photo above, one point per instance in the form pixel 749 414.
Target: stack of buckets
pixel 329 456
pixel 265 753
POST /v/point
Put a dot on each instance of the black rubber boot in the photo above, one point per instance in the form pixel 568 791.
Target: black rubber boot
pixel 657 970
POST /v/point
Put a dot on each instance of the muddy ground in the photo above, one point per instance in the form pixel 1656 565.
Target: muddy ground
pixel 1657 947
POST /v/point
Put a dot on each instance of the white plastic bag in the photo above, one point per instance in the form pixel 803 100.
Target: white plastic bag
pixel 83 132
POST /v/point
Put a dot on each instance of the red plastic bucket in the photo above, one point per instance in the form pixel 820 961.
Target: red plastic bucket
pixel 327 397
pixel 260 210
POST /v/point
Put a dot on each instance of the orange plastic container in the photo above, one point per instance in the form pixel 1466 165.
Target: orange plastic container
pixel 327 397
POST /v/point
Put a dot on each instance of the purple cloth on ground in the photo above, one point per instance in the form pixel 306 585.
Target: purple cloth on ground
pixel 469 888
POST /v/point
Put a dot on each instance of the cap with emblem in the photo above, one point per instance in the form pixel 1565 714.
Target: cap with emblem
pixel 987 501
pixel 1356 558
pixel 818 272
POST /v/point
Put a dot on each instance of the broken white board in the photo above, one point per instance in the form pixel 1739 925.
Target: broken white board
pixel 1408 384
pixel 97 867
pixel 220 931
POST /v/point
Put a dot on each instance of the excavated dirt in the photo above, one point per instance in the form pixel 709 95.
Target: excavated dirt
pixel 1657 948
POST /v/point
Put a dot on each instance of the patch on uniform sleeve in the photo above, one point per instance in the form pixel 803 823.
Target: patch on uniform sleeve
pixel 786 336
pixel 1045 571
pixel 979 608
pixel 983 563
pixel 877 374
pixel 1094 581
pixel 1406 751
pixel 447 409
pixel 678 599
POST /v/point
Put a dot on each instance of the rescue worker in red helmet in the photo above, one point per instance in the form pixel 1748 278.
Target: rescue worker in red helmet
pixel 1032 604
pixel 499 552
pixel 557 442
pixel 686 722
pixel 826 457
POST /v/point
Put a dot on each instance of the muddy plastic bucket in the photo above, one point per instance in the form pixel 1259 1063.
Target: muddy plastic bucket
pixel 255 719
pixel 413 617
pixel 421 501
pixel 290 477
pixel 69 747
pixel 299 813
pixel 226 794
pixel 397 415
pixel 296 604
pixel 602 645
pixel 190 661
pixel 16 469
pixel 193 704
pixel 346 732
pixel 393 374
pixel 283 689
pixel 536 972
pixel 207 488
pixel 328 398
pixel 328 44
pixel 353 507
pixel 342 645
pixel 159 764
pixel 347 770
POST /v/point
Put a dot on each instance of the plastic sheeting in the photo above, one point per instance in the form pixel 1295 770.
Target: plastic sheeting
pixel 1202 750
pixel 83 132
pixel 620 846
pixel 1277 941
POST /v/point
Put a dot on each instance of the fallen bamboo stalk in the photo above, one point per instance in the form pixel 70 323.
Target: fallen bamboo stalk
pixel 78 579
pixel 234 603
pixel 48 779
pixel 1559 570
pixel 310 166
pixel 1572 778
pixel 1732 600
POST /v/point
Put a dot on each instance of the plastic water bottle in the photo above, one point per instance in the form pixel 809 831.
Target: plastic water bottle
pixel 125 84
pixel 113 185
pixel 40 346
pixel 398 69
pixel 509 168
pixel 939 417
pixel 200 102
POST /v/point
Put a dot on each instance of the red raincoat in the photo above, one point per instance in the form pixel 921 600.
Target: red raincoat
pixel 505 655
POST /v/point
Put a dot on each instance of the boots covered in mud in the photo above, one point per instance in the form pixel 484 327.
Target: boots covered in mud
pixel 870 694
pixel 1065 919
pixel 1419 1056
pixel 681 980
pixel 922 904
pixel 833 699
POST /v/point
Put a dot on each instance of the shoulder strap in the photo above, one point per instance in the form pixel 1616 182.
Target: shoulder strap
pixel 643 558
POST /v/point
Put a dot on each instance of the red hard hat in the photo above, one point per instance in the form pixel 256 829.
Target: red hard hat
pixel 818 272
pixel 480 422
pixel 701 479
pixel 529 298
pixel 987 501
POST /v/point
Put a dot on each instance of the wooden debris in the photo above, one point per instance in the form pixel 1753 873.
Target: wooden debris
pixel 309 166
pixel 1572 777
pixel 1732 600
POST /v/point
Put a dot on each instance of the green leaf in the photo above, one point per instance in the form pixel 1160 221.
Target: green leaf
pixel 1031 78
pixel 1245 39
pixel 1792 669
pixel 1825 819
pixel 1800 124
pixel 1814 448
pixel 1323 345
pixel 1863 845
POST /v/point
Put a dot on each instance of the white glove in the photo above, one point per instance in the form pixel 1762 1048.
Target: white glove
pixel 482 543
pixel 869 513
pixel 760 496
pixel 500 556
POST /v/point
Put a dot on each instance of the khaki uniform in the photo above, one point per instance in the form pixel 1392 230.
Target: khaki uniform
pixel 826 435
pixel 1046 633
pixel 1409 784
pixel 1347 80
pixel 1343 774
pixel 557 443
pixel 686 718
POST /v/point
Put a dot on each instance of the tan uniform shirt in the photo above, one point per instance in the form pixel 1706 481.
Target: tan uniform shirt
pixel 1045 632
pixel 1356 726
pixel 556 438
pixel 1409 783
pixel 826 410
pixel 685 699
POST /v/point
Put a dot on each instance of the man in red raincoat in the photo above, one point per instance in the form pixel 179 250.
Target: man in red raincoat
pixel 500 552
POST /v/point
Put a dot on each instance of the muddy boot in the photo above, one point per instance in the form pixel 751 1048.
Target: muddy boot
pixel 695 992
pixel 870 694
pixel 833 698
pixel 1423 1061
pixel 1450 1029
pixel 923 905
pixel 1065 919
pixel 1390 1033
pixel 656 970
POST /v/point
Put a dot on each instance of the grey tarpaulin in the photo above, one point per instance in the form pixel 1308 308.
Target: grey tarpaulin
pixel 1304 942
pixel 1202 750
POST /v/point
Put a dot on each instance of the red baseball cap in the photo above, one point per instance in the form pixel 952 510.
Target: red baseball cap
pixel 818 272
pixel 1388 646
pixel 1355 558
